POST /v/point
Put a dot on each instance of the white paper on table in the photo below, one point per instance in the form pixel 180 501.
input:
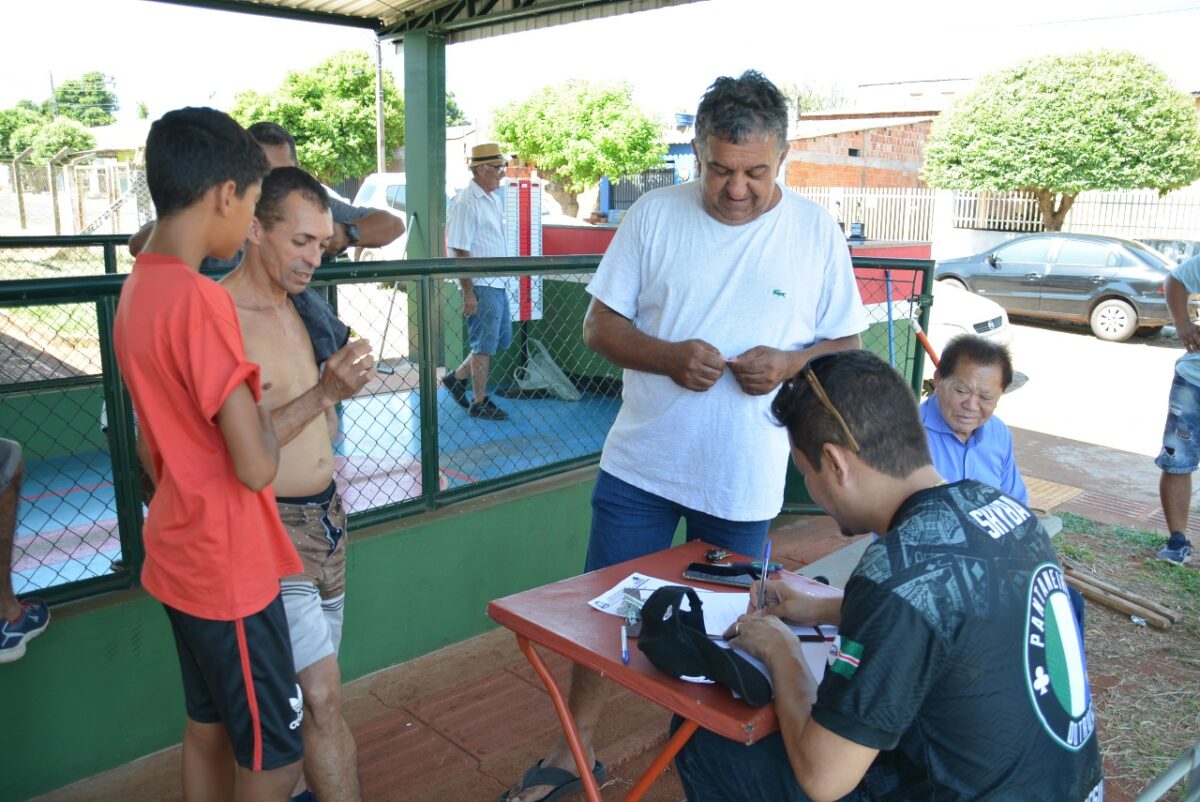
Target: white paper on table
pixel 720 609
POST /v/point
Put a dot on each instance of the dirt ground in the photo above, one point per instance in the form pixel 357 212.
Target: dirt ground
pixel 1145 681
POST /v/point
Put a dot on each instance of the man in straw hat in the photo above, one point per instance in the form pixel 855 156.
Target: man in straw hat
pixel 476 228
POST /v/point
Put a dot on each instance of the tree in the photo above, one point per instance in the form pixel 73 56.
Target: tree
pixel 330 110
pixel 577 132
pixel 48 138
pixel 454 114
pixel 1059 125
pixel 88 99
pixel 11 120
pixel 143 111
pixel 810 96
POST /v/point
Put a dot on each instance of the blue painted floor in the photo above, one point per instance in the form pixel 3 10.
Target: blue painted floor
pixel 67 521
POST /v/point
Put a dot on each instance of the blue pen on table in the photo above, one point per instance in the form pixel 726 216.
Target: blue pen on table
pixel 762 582
pixel 624 645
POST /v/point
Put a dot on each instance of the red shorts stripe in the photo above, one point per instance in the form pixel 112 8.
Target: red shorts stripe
pixel 251 696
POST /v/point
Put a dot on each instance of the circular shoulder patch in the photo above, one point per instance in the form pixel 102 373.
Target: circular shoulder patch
pixel 1055 668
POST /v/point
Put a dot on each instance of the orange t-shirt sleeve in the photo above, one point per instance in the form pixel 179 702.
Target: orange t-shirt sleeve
pixel 215 360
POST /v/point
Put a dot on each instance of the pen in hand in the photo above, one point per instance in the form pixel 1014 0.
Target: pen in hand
pixel 624 645
pixel 762 584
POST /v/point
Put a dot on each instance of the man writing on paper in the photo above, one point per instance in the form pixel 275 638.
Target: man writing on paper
pixel 959 672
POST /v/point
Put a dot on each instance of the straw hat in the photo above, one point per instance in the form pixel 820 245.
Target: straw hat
pixel 487 153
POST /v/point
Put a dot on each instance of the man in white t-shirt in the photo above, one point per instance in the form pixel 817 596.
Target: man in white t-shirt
pixel 475 227
pixel 710 295
pixel 1180 455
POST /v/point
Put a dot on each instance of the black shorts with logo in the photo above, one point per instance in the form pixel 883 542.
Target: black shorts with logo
pixel 240 673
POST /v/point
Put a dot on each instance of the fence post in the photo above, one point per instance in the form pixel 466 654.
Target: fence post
pixel 16 174
pixel 122 439
pixel 427 384
pixel 54 188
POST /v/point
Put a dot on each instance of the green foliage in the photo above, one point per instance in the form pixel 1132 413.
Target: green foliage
pixel 577 132
pixel 61 133
pixel 23 136
pixel 810 96
pixel 11 120
pixel 143 111
pixel 330 110
pixel 1064 124
pixel 87 99
pixel 454 114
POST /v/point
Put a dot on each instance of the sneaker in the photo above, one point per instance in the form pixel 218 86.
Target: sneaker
pixel 1178 550
pixel 15 634
pixel 457 388
pixel 486 410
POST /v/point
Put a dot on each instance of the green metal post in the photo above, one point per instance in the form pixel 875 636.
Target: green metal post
pixel 430 458
pixel 127 485
pixel 425 163
pixel 110 257
pixel 425 141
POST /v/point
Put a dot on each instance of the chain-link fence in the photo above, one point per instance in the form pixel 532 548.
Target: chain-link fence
pixel 404 444
pixel 77 194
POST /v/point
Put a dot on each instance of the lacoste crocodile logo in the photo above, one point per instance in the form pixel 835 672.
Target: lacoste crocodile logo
pixel 779 293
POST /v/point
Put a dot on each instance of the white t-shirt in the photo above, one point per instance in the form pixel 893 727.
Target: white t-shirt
pixel 783 280
pixel 1188 274
pixel 475 224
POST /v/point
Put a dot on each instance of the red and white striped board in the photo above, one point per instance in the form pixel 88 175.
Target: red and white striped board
pixel 523 232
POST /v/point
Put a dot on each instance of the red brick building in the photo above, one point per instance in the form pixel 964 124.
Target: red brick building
pixel 857 152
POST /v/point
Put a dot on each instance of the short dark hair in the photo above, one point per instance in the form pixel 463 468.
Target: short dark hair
pixel 273 134
pixel 743 108
pixel 878 407
pixel 281 182
pixel 191 150
pixel 984 353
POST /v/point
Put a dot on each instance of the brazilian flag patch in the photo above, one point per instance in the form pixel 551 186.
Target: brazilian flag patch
pixel 846 660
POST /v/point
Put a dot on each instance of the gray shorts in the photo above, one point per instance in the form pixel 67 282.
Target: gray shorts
pixel 10 458
pixel 315 599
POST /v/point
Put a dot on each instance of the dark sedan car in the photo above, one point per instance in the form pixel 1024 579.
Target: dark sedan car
pixel 1114 285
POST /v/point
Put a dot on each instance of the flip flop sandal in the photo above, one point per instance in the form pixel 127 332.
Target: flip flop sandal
pixel 564 782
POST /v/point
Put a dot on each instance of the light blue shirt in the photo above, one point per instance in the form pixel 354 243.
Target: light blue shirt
pixel 1188 274
pixel 986 457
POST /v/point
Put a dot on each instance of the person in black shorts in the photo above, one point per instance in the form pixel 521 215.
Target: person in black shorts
pixel 215 546
pixel 959 670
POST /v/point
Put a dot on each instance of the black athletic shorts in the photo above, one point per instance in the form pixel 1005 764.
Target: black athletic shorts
pixel 240 673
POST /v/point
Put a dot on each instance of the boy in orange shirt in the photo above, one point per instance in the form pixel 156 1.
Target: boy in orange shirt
pixel 215 547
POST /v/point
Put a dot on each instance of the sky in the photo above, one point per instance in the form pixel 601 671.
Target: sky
pixel 170 56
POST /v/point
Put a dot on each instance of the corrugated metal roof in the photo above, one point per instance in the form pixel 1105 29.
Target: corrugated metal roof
pixel 459 20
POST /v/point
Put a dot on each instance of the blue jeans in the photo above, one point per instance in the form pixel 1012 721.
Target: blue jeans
pixel 628 522
pixel 490 329
pixel 1180 449
pixel 716 769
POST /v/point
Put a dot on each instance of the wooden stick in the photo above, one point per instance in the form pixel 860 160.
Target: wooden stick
pixel 1171 615
pixel 1121 605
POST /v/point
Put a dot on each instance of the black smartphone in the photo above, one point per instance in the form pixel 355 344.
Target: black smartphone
pixel 734 576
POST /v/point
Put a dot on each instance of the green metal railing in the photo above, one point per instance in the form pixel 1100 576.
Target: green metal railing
pixel 405 446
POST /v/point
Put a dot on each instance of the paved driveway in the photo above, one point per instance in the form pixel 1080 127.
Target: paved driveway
pixel 1082 388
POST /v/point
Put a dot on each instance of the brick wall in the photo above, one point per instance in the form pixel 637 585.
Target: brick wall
pixel 887 157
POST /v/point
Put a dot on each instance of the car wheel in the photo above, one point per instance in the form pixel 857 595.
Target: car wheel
pixel 953 282
pixel 1113 320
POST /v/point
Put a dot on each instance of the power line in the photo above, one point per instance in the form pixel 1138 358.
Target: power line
pixel 1108 17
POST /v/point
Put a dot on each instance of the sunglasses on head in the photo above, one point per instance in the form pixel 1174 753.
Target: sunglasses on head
pixel 819 390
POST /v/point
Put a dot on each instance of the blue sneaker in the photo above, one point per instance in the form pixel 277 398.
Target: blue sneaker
pixel 1178 549
pixel 15 634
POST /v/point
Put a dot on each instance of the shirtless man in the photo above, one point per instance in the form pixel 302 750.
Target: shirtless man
pixel 291 228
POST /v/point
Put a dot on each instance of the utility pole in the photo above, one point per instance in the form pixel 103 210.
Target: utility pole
pixel 53 95
pixel 380 147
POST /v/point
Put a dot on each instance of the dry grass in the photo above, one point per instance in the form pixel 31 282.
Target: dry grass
pixel 1146 683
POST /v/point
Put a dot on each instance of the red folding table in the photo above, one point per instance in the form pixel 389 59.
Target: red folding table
pixel 558 617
